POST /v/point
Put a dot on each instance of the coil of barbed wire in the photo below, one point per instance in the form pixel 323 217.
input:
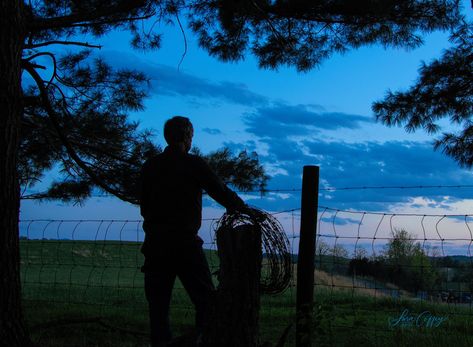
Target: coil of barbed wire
pixel 277 261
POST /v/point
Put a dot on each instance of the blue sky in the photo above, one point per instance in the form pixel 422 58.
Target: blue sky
pixel 291 119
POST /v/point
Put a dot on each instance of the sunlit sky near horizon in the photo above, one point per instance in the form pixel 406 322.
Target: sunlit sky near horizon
pixel 291 119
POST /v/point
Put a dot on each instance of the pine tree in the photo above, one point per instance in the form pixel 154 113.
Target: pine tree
pixel 444 89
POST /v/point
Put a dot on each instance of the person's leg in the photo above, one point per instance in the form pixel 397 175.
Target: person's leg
pixel 195 276
pixel 158 289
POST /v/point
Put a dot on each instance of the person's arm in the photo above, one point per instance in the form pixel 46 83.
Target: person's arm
pixel 217 190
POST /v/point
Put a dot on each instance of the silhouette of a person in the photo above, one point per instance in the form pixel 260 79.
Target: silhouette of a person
pixel 172 184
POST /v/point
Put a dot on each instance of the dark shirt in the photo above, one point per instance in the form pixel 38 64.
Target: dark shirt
pixel 172 184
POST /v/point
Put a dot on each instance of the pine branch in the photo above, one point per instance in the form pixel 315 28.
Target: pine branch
pixel 70 150
pixel 88 18
pixel 337 15
pixel 42 44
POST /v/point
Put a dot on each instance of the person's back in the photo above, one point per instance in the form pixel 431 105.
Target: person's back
pixel 172 184
pixel 171 198
pixel 172 192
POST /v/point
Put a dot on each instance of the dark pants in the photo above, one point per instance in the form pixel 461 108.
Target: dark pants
pixel 186 261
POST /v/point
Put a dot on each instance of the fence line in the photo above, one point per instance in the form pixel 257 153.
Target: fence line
pixel 96 264
pixel 33 196
pixel 375 267
pixel 92 262
pixel 330 229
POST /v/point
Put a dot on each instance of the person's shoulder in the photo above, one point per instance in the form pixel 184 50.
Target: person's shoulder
pixel 196 159
pixel 198 163
pixel 193 156
pixel 153 160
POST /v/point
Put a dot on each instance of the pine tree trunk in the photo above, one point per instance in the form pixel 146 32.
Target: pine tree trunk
pixel 12 329
pixel 236 315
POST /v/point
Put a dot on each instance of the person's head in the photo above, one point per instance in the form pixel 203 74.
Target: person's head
pixel 178 132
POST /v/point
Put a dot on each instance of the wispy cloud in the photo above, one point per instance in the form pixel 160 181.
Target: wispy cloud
pixel 167 80
pixel 298 120
pixel 212 131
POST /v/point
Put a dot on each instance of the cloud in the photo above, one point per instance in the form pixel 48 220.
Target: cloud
pixel 292 136
pixel 284 150
pixel 393 163
pixel 298 120
pixel 169 81
pixel 212 131
pixel 340 221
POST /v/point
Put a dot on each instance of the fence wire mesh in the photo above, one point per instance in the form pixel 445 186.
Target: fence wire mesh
pixel 393 279
pixel 380 278
pixel 91 269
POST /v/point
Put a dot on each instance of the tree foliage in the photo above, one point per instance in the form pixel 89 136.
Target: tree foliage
pixel 76 117
pixel 239 170
pixel 408 264
pixel 94 143
pixel 304 33
pixel 444 89
pixel 403 262
pixel 401 247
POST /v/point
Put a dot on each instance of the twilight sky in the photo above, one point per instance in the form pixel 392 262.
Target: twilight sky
pixel 291 119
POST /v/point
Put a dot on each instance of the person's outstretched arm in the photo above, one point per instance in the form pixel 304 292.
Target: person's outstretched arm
pixel 217 190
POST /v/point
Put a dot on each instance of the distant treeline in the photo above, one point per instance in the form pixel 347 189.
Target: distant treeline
pixel 403 262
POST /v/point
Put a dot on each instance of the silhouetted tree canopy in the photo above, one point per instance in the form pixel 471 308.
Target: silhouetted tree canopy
pixel 76 118
pixel 444 89
pixel 91 139
pixel 304 33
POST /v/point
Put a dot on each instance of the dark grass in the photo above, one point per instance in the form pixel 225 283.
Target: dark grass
pixel 80 293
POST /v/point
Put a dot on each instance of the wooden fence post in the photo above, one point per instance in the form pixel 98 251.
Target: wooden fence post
pixel 236 317
pixel 306 257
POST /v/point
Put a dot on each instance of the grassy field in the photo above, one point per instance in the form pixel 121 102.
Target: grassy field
pixel 79 293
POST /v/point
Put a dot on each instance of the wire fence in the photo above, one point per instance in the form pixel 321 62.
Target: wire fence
pixel 381 278
pixel 92 269
pixel 395 279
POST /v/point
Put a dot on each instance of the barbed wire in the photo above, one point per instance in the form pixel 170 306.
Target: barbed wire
pixel 275 244
pixel 288 190
pixel 406 214
pixel 460 186
pixel 329 189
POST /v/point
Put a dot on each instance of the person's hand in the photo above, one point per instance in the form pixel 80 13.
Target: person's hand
pixel 253 213
pixel 245 209
pixel 242 209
